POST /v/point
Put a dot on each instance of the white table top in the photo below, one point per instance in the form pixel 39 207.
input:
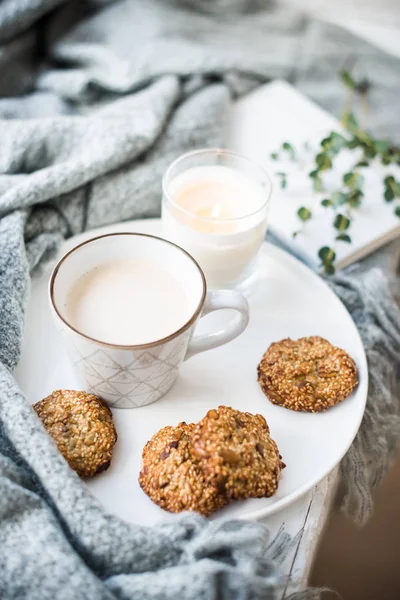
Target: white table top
pixel 303 521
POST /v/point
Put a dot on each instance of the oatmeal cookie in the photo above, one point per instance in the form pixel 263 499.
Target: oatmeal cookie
pixel 237 454
pixel 82 427
pixel 171 475
pixel 308 374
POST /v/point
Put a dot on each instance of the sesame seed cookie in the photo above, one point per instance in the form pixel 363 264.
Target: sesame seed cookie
pixel 171 475
pixel 308 374
pixel 81 425
pixel 237 454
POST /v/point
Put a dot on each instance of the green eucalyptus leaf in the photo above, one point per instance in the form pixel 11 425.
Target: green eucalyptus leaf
pixel 329 269
pixel 352 143
pixel 348 178
pixel 334 143
pixel 341 222
pixel 397 211
pixel 339 198
pixel 353 180
pixel 274 155
pixel 327 202
pixel 304 213
pixel 326 254
pixel 318 185
pixel 350 122
pixel 381 146
pixel 326 143
pixel 388 194
pixel 323 161
pixel 391 183
pixel 392 155
pixel 338 142
pixel 369 152
pixel 343 237
pixel 348 80
pixel 362 163
pixel 389 180
pixel 365 139
pixel 289 148
pixel 354 198
pixel 283 178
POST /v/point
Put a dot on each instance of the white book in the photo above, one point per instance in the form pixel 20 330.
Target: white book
pixel 257 126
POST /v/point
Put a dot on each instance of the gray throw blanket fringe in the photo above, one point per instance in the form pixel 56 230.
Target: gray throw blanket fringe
pixel 96 99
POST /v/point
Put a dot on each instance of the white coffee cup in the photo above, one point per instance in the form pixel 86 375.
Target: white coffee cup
pixel 130 376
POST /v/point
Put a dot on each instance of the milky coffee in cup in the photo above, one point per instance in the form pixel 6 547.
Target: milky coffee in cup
pixel 127 302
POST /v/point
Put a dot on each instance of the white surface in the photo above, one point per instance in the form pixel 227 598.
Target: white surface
pixel 276 112
pixel 289 301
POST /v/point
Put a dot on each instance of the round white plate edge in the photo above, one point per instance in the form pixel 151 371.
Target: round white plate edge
pixel 150 226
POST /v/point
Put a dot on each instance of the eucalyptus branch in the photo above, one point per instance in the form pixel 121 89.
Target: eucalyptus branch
pixel 345 200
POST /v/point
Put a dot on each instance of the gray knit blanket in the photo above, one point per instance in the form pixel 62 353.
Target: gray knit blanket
pixel 96 99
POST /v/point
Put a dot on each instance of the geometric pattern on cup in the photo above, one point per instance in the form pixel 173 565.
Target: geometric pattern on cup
pixel 142 377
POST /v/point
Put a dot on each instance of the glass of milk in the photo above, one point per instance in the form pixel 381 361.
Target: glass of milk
pixel 215 206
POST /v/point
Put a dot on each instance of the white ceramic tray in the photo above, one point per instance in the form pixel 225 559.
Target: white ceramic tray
pixel 290 301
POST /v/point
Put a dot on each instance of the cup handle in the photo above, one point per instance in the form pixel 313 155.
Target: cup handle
pixel 217 301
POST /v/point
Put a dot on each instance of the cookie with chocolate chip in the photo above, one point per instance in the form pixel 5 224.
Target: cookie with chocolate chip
pixel 82 427
pixel 236 453
pixel 309 374
pixel 171 475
